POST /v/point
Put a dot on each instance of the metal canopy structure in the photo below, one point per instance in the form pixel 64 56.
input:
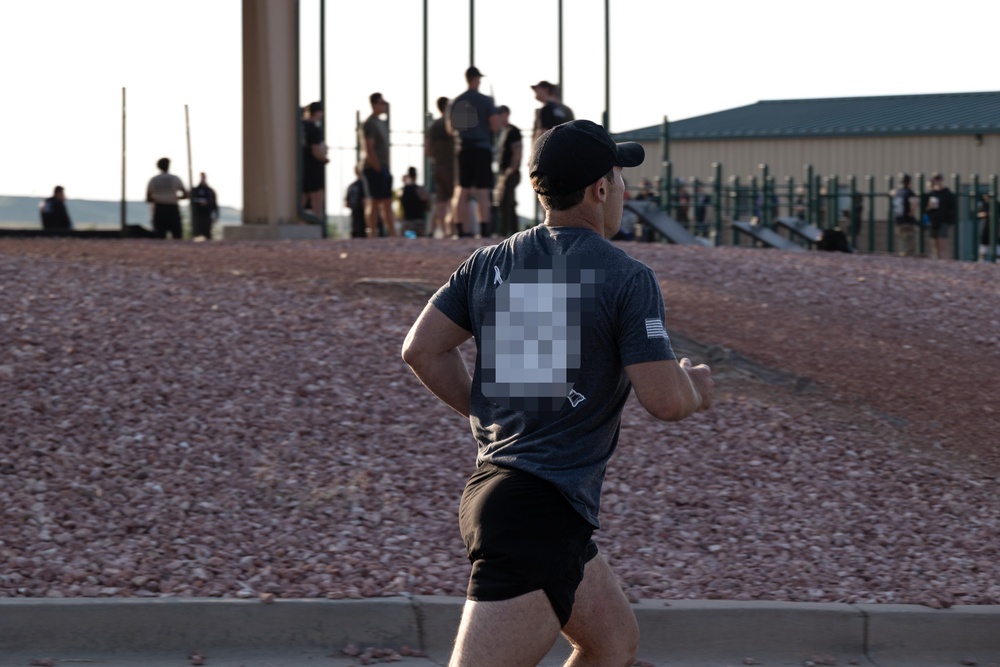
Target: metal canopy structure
pixel 271 202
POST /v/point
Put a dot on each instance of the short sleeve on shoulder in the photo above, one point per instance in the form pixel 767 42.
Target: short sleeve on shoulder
pixel 452 299
pixel 642 327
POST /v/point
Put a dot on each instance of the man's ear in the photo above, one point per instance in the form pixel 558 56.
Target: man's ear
pixel 600 189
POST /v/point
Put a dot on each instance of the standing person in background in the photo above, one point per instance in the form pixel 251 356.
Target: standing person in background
pixel 904 208
pixel 204 210
pixel 354 199
pixel 473 117
pixel 508 152
pixel 314 160
pixel 53 211
pixel 439 146
pixel 941 212
pixel 565 324
pixel 375 139
pixel 552 112
pixel 164 191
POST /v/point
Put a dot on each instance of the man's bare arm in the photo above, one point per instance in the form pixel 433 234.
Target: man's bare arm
pixel 431 351
pixel 670 390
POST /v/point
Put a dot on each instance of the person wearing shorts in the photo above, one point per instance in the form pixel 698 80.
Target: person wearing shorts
pixel 163 192
pixel 941 213
pixel 376 174
pixel 566 324
pixel 439 146
pixel 473 117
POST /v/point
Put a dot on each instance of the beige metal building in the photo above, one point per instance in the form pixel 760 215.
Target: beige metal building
pixel 878 136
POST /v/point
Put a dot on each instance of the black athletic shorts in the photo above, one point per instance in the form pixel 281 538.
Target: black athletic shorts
pixel 379 183
pixel 475 168
pixel 522 535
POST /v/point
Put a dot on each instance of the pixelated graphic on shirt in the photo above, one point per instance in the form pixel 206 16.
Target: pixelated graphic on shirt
pixel 532 337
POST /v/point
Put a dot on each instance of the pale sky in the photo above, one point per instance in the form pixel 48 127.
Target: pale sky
pixel 65 63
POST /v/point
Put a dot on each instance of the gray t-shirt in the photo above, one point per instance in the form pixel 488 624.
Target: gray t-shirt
pixel 470 116
pixel 557 313
pixel 375 128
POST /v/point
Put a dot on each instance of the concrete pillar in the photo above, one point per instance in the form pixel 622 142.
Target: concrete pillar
pixel 270 123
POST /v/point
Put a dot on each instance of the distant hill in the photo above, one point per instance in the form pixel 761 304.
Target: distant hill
pixel 23 211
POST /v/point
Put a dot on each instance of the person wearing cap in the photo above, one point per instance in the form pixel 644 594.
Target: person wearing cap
pixel 376 174
pixel 314 160
pixel 472 117
pixel 904 205
pixel 941 213
pixel 566 324
pixel 552 112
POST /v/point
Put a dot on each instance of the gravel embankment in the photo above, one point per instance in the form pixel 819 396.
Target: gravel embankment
pixel 234 419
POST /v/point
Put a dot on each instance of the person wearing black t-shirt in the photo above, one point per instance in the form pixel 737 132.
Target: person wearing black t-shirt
pixel 53 211
pixel 941 213
pixel 509 150
pixel 314 159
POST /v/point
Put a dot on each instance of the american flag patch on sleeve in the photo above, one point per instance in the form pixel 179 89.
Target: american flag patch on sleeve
pixel 654 329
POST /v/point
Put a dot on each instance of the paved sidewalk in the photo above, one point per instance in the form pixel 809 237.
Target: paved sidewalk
pixel 247 633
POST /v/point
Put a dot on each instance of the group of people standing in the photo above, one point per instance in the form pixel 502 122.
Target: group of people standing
pixel 164 193
pixel 476 156
pixel 938 211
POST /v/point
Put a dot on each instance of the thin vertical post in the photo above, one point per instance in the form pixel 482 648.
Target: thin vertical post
pixel 810 217
pixel 561 81
pixel 472 32
pixel 734 195
pixel 717 208
pixel 871 212
pixel 426 113
pixel 855 216
pixel 973 208
pixel 123 218
pixel 187 130
pixel 665 139
pixel 920 221
pixel 322 99
pixel 991 252
pixel 956 187
pixel 890 227
pixel 607 65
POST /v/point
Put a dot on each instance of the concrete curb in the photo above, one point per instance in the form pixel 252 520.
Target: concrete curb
pixel 689 632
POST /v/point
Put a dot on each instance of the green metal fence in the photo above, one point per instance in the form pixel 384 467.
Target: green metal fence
pixel 860 208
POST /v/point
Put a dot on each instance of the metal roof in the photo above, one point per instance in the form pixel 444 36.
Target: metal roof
pixel 940 113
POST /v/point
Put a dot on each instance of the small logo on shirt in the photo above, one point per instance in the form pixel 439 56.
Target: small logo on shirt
pixel 497 280
pixel 654 329
pixel 575 397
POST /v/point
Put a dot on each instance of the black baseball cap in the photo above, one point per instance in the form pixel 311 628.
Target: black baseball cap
pixel 544 84
pixel 473 71
pixel 573 155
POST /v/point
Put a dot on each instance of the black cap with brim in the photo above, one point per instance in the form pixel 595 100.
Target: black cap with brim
pixel 573 155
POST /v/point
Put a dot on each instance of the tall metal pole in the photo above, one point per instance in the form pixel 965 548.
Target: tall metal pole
pixel 560 80
pixel 187 129
pixel 322 99
pixel 425 117
pixel 124 223
pixel 472 32
pixel 607 65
